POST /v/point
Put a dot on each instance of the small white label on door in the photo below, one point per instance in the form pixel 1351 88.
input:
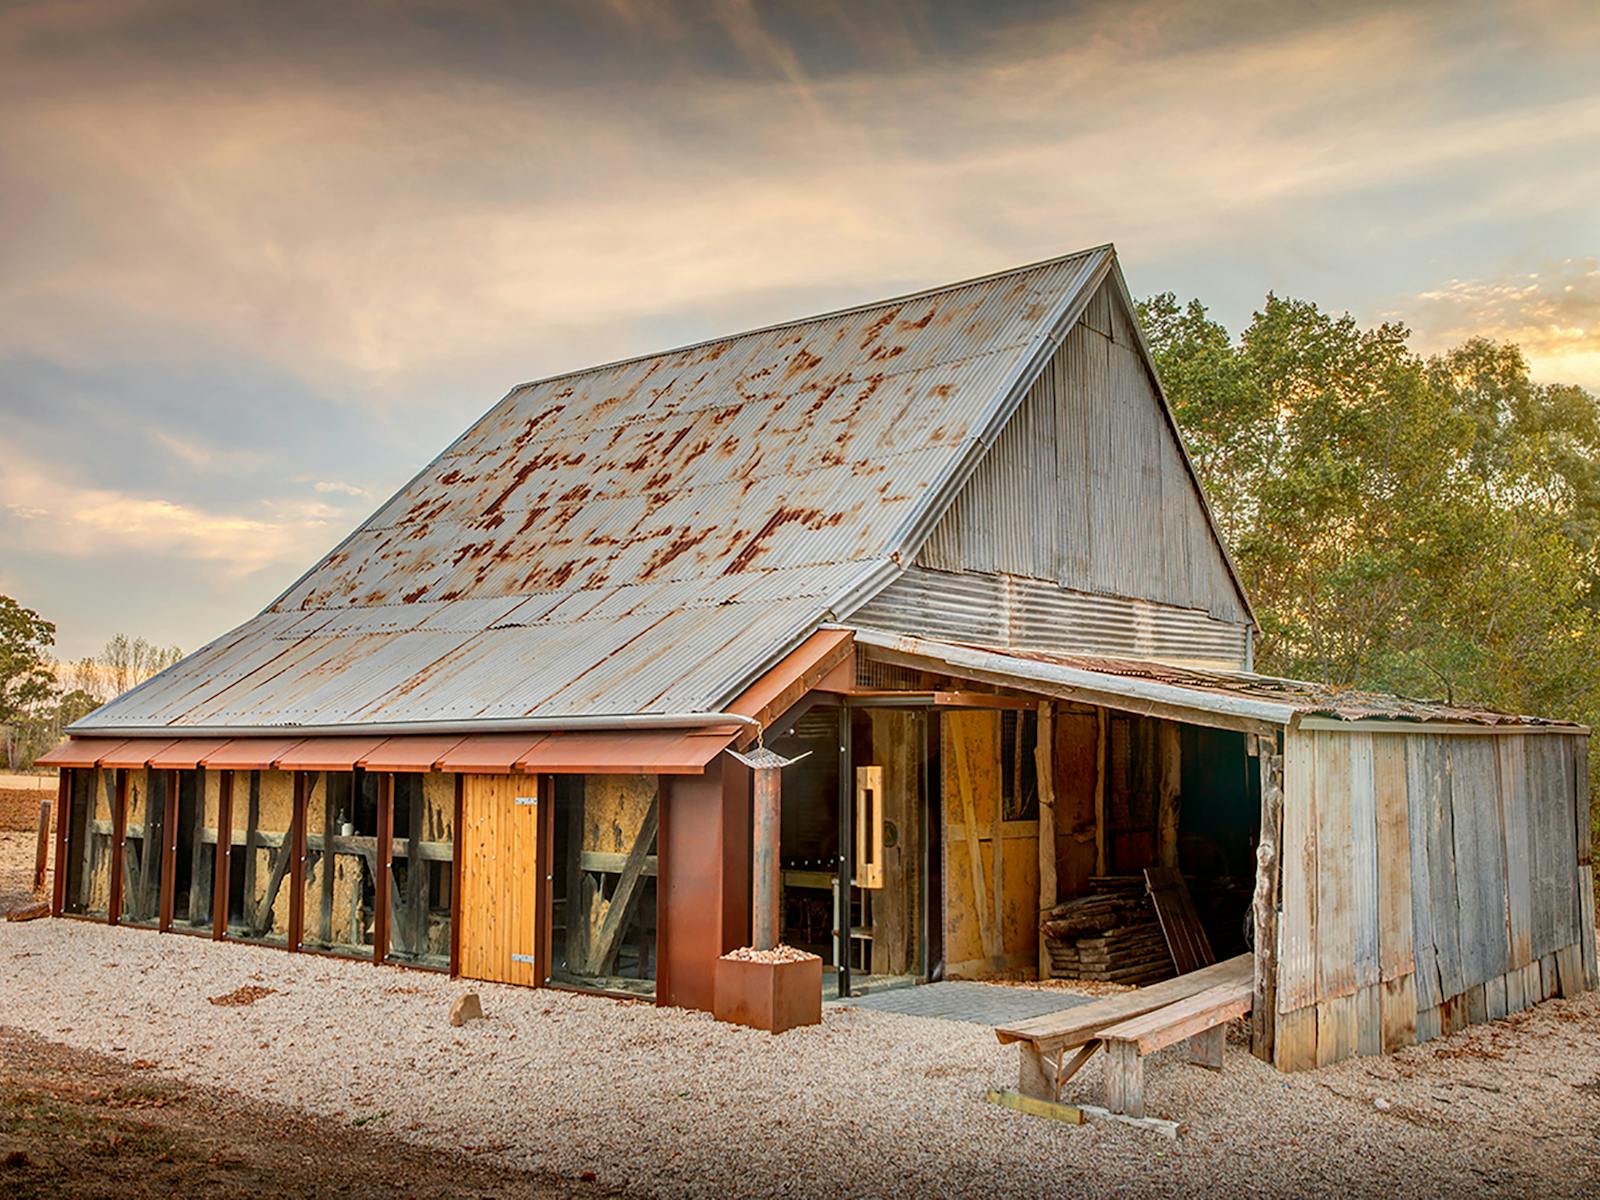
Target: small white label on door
pixel 527 800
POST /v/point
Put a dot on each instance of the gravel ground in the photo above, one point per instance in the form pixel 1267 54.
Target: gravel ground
pixel 868 1104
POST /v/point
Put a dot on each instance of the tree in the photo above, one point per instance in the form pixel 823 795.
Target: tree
pixel 26 682
pixel 127 662
pixel 1423 526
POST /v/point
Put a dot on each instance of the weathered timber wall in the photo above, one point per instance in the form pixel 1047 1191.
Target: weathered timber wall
pixel 1429 881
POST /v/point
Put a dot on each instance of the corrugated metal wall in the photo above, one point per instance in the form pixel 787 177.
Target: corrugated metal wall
pixel 1013 610
pixel 1430 881
pixel 1087 487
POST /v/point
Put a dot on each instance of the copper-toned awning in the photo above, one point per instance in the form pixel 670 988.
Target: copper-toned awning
pixel 598 752
pixel 185 754
pixel 417 753
pixel 79 752
pixel 489 753
pixel 133 754
pixel 249 754
pixel 653 752
pixel 327 753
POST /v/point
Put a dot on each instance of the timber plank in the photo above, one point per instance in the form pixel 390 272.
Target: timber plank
pixel 1180 924
pixel 1364 872
pixel 1185 1018
pixel 1591 968
pixel 1335 880
pixel 1480 842
pixel 1336 1029
pixel 1297 921
pixel 1433 785
pixel 1513 760
pixel 1369 1020
pixel 1396 959
pixel 1295 1046
pixel 1075 1026
pixel 1034 1107
pixel 1397 1012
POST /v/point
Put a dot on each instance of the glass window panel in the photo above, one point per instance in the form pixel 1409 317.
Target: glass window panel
pixel 604 934
pixel 340 897
pixel 89 842
pixel 142 847
pixel 421 869
pixel 263 837
pixel 194 863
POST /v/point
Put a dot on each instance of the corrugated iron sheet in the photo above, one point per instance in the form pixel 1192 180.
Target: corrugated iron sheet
pixel 641 537
pixel 1270 698
pixel 1013 610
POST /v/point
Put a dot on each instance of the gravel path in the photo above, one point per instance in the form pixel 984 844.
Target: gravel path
pixel 869 1104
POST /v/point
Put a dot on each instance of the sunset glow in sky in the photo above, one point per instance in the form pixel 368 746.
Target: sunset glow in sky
pixel 260 261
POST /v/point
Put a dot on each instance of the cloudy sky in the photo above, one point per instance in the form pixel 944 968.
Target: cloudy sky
pixel 260 261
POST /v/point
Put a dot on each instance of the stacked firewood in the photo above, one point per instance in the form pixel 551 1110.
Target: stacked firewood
pixel 1110 935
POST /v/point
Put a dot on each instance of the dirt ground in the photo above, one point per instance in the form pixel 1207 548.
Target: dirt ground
pixel 76 1124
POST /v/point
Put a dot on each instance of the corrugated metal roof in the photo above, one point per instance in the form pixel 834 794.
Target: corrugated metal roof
pixel 641 537
pixel 1258 697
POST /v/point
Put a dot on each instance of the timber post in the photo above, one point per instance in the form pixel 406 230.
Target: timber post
pixel 766 896
pixel 766 876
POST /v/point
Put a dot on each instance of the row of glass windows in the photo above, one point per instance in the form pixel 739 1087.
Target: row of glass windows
pixel 338 904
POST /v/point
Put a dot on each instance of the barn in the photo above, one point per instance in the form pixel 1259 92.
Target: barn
pixel 946 556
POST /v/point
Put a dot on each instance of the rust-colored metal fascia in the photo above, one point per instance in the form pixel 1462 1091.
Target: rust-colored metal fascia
pixel 224 857
pixel 418 753
pixel 489 753
pixel 134 753
pixel 380 924
pixel 58 889
pixel 169 852
pixel 185 754
pixel 657 752
pixel 327 753
pixel 119 835
pixel 79 752
pixel 297 864
pixel 791 677
pixel 455 878
pixel 249 754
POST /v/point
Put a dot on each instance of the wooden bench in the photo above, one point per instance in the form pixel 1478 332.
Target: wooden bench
pixel 1044 1041
pixel 1199 1020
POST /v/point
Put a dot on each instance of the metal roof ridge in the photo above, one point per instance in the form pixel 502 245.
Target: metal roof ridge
pixel 792 322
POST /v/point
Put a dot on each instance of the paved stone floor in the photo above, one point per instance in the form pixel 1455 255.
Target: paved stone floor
pixel 979 1003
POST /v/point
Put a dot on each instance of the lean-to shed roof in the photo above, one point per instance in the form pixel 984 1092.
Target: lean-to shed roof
pixel 1163 689
pixel 642 537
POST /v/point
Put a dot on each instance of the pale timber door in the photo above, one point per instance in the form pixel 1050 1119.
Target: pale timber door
pixel 499 879
pixel 990 862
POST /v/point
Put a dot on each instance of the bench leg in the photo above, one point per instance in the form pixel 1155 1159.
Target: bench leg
pixel 1035 1076
pixel 1124 1079
pixel 1205 1049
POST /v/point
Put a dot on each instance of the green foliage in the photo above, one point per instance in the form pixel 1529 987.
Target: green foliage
pixel 36 706
pixel 26 682
pixel 1426 526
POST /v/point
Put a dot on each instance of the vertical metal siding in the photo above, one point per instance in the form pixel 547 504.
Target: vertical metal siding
pixel 1087 486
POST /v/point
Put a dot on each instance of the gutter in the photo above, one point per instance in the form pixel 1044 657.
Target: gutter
pixel 617 721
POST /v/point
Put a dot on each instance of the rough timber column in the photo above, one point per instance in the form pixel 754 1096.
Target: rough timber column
pixel 767 883
pixel 1169 741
